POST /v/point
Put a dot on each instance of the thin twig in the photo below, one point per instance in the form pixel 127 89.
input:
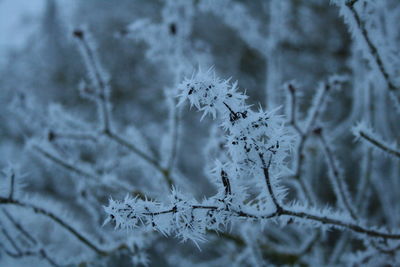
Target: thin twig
pixel 270 189
pixel 75 169
pixel 71 136
pixel 338 223
pixel 103 106
pixel 283 211
pixel 101 84
pixel 10 240
pixel 58 220
pixel 12 185
pixel 69 166
pixel 19 227
pixel 41 252
pixel 123 142
pixel 372 48
pixel 337 180
pixel 176 120
pixel 379 144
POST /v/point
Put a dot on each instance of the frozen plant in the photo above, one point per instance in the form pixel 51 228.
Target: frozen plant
pixel 258 145
pixel 301 169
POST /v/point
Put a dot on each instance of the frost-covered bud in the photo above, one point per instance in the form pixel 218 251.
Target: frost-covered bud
pixel 260 133
pixel 131 212
pixel 211 95
pixel 254 139
pixel 231 194
pixel 184 217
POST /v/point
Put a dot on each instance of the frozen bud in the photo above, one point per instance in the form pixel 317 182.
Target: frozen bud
pixel 212 95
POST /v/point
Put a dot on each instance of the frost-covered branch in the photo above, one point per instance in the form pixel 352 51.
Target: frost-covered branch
pixel 186 218
pixel 10 176
pixel 371 46
pixel 101 95
pixel 57 220
pixel 65 164
pixel 190 220
pixel 292 106
pixel 313 113
pixel 74 136
pixel 38 248
pixel 359 30
pixel 98 77
pixel 251 137
pixel 361 131
pixel 336 175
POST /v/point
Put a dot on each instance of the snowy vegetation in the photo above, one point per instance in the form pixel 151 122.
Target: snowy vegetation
pixel 106 162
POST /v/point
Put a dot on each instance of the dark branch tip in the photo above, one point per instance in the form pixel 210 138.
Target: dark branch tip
pixel 172 28
pixel 78 33
pixel 291 88
pixel 51 136
pixel 317 131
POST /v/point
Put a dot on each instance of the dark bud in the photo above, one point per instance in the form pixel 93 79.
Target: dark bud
pixel 226 183
pixel 191 90
pixel 123 32
pixel 327 87
pixel 317 131
pixel 172 28
pixel 78 34
pixel 291 88
pixel 51 136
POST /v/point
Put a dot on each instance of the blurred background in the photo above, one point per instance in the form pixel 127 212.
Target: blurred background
pixel 39 57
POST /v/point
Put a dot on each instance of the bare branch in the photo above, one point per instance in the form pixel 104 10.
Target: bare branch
pixel 337 180
pixel 57 220
pixel 373 50
pixel 377 142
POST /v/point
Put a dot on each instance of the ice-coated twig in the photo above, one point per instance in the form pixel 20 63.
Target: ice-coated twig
pixel 336 175
pixel 292 106
pixel 132 212
pixel 366 134
pixel 39 250
pixel 266 171
pixel 10 175
pixel 63 163
pixel 312 116
pixel 58 220
pixel 10 240
pixel 74 136
pixel 102 97
pixel 372 48
pixel 97 76
pixel 316 106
